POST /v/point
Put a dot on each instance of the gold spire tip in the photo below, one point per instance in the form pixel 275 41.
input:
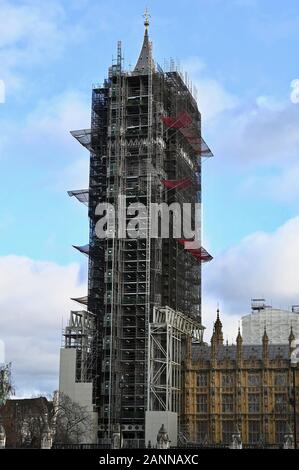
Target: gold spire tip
pixel 146 17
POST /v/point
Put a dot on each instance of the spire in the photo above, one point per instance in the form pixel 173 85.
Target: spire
pixel 218 334
pixel 144 62
pixel 292 341
pixel 218 324
pixel 239 347
pixel 292 336
pixel 265 346
pixel 239 337
pixel 265 336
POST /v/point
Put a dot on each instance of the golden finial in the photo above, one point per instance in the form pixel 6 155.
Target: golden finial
pixel 146 17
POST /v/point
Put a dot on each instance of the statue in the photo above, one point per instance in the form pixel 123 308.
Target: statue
pixel 163 441
pixel 205 440
pixel 46 438
pixel 288 438
pixel 116 438
pixel 236 439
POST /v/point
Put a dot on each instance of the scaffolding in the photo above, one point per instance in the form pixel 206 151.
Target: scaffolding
pixel 145 144
pixel 169 333
pixel 82 195
pixel 83 249
pixel 79 335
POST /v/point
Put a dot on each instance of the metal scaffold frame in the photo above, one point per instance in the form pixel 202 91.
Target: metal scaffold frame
pixel 145 145
pixel 114 159
pixel 78 334
pixel 168 333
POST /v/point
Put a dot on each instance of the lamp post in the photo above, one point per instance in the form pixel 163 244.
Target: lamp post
pixel 2 434
pixel 121 388
pixel 294 401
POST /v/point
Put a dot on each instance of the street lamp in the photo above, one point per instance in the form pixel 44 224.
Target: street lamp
pixel 2 434
pixel 294 401
pixel 121 388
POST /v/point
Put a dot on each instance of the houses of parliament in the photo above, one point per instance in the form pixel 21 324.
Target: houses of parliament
pixel 240 386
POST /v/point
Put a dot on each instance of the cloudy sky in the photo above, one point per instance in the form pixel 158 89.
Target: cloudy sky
pixel 243 57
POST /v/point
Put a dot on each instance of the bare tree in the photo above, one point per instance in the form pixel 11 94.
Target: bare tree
pixel 72 423
pixel 6 386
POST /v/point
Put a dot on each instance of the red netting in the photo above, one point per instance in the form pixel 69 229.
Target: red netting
pixel 199 253
pixel 184 123
pixel 177 184
pixel 182 120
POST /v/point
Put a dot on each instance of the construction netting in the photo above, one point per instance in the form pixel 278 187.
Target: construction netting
pixel 177 184
pixel 82 195
pixel 84 137
pixel 81 300
pixel 199 253
pixel 83 249
pixel 190 130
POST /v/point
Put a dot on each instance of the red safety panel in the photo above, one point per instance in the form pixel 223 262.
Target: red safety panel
pixel 182 120
pixel 177 184
pixel 199 253
pixel 184 123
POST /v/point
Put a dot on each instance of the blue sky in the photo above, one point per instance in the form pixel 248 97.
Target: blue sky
pixel 248 47
pixel 242 56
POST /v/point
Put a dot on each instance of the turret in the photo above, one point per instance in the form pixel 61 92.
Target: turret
pixel 265 346
pixel 218 329
pixel 144 62
pixel 217 338
pixel 239 347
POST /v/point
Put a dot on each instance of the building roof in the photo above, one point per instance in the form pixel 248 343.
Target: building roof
pixel 202 352
pixel 32 405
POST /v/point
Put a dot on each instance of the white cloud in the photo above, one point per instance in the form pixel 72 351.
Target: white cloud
pixel 295 91
pixel 263 132
pixel 229 321
pixel 213 98
pixel 76 175
pixel 2 91
pixel 2 352
pixel 44 140
pixel 34 300
pixel 281 187
pixel 261 137
pixel 21 22
pixel 32 34
pixel 52 120
pixel 262 265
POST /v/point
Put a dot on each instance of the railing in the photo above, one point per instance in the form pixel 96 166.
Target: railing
pixel 82 446
pixel 134 444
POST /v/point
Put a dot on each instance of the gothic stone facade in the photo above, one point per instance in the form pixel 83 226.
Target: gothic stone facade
pixel 238 385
